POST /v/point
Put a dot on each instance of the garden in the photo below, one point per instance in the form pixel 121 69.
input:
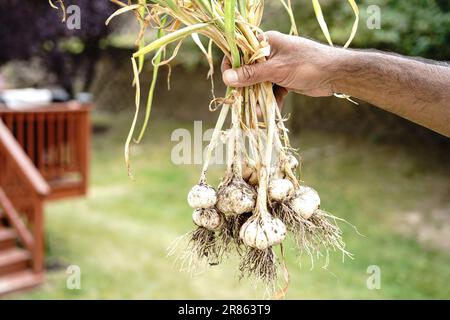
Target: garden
pixel 383 181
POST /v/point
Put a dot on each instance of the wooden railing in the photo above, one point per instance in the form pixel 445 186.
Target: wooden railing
pixel 57 140
pixel 22 193
pixel 44 154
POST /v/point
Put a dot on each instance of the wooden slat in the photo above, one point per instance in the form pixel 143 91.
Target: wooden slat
pixel 31 137
pixel 85 148
pixel 40 143
pixel 59 148
pixel 9 121
pixel 70 106
pixel 19 129
pixel 50 144
pixel 38 235
pixel 71 138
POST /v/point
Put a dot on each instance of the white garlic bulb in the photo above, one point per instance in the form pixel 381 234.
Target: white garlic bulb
pixel 202 196
pixel 207 218
pixel 263 232
pixel 305 201
pixel 236 197
pixel 280 189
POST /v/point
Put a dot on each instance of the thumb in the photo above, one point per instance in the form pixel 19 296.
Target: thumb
pixel 248 75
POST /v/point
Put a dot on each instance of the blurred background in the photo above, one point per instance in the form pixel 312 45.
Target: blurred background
pixel 387 176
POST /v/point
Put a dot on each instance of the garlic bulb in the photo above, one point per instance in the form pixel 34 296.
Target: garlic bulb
pixel 247 170
pixel 263 232
pixel 202 196
pixel 207 218
pixel 305 201
pixel 254 179
pixel 236 197
pixel 280 189
pixel 250 174
pixel 292 162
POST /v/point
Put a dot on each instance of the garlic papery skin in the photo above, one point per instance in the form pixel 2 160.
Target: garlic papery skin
pixel 247 170
pixel 197 217
pixel 280 189
pixel 248 232
pixel 276 173
pixel 236 197
pixel 254 179
pixel 305 201
pixel 249 173
pixel 202 196
pixel 263 232
pixel 275 230
pixel 207 218
pixel 261 242
pixel 292 162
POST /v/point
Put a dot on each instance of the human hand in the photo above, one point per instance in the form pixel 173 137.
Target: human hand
pixel 294 64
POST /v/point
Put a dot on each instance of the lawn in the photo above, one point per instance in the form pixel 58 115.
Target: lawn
pixel 119 234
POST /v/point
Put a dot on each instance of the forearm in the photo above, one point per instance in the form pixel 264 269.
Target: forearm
pixel 412 89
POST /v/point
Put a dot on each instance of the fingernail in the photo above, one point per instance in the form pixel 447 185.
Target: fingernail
pixel 230 76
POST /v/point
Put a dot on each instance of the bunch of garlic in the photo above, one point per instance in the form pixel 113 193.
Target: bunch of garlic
pixel 258 202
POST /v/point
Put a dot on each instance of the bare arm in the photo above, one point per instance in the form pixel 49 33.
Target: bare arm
pixel 416 90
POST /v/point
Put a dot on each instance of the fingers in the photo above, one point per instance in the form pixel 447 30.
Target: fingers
pixel 248 75
pixel 256 73
pixel 226 64
pixel 280 93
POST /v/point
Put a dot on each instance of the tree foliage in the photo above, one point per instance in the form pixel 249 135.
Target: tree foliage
pixel 413 27
pixel 33 29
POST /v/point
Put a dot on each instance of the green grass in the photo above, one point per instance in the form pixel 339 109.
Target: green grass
pixel 119 233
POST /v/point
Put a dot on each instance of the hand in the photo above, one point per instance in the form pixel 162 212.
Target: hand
pixel 295 64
